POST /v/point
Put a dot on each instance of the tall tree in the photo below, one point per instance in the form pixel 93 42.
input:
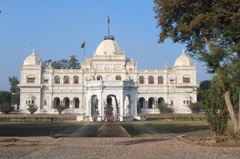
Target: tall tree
pixel 210 30
pixel 13 84
pixel 14 89
pixel 73 62
pixel 5 97
pixel 63 64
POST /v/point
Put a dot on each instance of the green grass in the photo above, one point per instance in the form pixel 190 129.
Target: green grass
pixel 38 128
pixel 174 128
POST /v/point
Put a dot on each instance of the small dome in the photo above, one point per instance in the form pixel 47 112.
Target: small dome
pixel 183 60
pixel 108 47
pixel 33 59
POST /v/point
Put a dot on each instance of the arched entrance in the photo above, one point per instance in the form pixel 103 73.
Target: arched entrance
pixel 56 102
pixel 142 102
pixel 76 102
pixel 94 105
pixel 112 103
pixel 151 102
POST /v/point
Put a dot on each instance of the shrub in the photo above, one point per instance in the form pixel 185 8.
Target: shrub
pixel 215 108
pixel 32 108
pixel 6 108
pixel 196 107
pixel 164 108
pixel 60 108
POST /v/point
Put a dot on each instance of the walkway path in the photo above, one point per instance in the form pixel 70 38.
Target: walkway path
pixel 74 147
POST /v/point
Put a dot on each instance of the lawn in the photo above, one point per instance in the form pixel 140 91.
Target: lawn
pixel 174 128
pixel 155 124
pixel 31 129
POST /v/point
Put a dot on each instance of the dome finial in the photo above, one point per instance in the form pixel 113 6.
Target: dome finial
pixel 108 37
pixel 33 52
pixel 108 26
pixel 183 52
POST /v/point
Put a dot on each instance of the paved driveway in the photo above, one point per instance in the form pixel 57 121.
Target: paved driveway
pixel 76 147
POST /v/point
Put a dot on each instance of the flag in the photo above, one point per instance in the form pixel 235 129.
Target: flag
pixel 83 45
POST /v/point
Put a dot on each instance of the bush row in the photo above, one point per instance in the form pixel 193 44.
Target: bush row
pixel 29 119
pixel 189 118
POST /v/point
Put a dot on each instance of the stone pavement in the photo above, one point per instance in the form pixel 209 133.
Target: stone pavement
pixel 74 147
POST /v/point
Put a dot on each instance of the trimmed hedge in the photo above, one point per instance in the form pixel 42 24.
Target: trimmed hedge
pixel 29 119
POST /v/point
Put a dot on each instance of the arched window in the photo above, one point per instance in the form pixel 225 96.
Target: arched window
pixel 160 79
pixel 150 80
pixel 75 80
pixel 57 80
pixel 66 102
pixel 141 80
pixel 45 102
pixel 66 80
pixel 99 78
pixel 118 77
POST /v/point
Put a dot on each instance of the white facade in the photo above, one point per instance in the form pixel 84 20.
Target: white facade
pixel 108 76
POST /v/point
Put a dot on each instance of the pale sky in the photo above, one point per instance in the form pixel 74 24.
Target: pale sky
pixel 57 28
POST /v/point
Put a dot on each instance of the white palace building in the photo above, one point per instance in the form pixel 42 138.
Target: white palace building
pixel 107 78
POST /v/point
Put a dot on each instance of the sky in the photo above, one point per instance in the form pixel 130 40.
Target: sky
pixel 57 28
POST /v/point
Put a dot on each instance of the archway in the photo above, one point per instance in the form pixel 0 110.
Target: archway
pixel 76 102
pixel 151 102
pixel 161 105
pixel 94 105
pixel 56 102
pixel 66 102
pixel 112 102
pixel 142 102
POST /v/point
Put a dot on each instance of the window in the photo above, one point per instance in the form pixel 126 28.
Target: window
pixel 171 80
pixel 57 80
pixel 172 103
pixel 150 80
pixel 30 80
pixel 66 80
pixel 160 80
pixel 45 102
pixel 46 81
pixel 186 80
pixel 118 77
pixel 99 78
pixel 75 80
pixel 141 80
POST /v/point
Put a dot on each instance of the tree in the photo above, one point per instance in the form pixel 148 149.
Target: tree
pixel 203 86
pixel 6 108
pixel 211 32
pixel 13 84
pixel 73 62
pixel 32 108
pixel 5 97
pixel 14 89
pixel 63 64
pixel 60 108
pixel 215 107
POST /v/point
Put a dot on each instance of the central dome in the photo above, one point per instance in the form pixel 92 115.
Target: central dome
pixel 108 47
